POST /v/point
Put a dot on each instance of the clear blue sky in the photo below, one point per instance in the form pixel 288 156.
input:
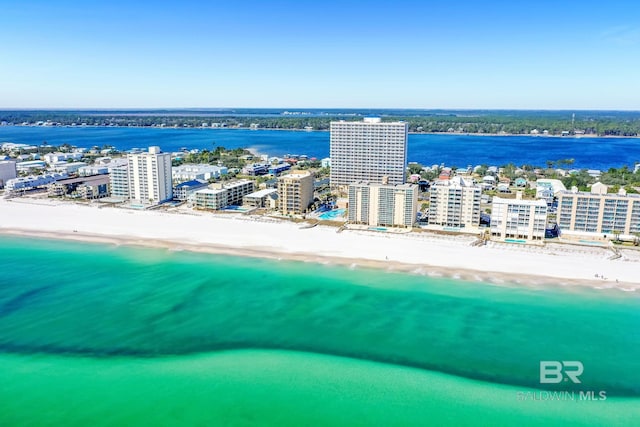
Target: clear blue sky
pixel 393 54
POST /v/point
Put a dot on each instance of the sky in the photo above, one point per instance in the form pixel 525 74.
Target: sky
pixel 320 54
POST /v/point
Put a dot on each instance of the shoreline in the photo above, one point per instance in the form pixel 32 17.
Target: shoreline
pixel 492 277
pixel 419 253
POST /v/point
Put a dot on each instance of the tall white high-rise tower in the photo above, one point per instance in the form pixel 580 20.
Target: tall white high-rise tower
pixel 368 151
pixel 150 176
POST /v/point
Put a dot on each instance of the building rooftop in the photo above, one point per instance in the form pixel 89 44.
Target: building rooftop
pixel 199 167
pixel 297 174
pixel 192 183
pixel 456 181
pixel 211 191
pixel 592 194
pixel 31 162
pixel 60 164
pixel 377 184
pixel 262 193
pixel 369 121
pixel 517 201
pixel 94 180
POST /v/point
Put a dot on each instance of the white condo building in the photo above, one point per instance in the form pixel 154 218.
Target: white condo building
pixel 149 176
pixel 53 158
pixel 119 180
pixel 7 171
pixel 454 203
pixel 190 172
pixel 383 205
pixel 517 220
pixel 368 151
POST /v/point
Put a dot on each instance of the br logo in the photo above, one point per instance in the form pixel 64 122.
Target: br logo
pixel 554 371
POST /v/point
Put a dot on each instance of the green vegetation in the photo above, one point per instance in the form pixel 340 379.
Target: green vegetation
pixel 235 158
pixel 615 178
pixel 603 123
pixel 415 168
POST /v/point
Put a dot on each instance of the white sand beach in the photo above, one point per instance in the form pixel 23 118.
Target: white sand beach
pixel 245 235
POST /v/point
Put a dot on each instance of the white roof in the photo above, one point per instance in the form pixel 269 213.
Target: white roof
pixel 538 202
pixel 211 191
pixel 555 184
pixel 262 193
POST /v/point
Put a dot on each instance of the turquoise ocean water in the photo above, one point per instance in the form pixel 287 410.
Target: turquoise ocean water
pixel 110 335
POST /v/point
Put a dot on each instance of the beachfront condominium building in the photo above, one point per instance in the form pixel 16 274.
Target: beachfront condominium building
pixel 221 195
pixel 150 176
pixel 382 204
pixel 295 192
pixel 210 198
pixel 236 190
pixel 368 151
pixel 184 190
pixel 517 220
pixel 259 199
pixel 119 181
pixel 7 171
pixel 32 182
pixel 598 211
pixel 454 203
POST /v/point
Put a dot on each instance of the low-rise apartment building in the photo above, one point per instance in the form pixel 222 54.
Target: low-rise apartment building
pixel 259 199
pixel 220 195
pixel 190 172
pixel 184 190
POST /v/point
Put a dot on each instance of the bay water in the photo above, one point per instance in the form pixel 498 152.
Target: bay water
pixel 452 150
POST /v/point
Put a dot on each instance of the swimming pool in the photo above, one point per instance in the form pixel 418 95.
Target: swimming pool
pixel 521 241
pixel 333 214
pixel 234 208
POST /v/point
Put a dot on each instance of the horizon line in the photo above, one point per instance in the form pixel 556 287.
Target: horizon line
pixel 307 108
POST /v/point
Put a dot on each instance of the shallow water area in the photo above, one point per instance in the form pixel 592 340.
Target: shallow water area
pixel 272 388
pixel 96 333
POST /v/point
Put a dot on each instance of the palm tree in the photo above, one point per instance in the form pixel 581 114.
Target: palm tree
pixel 616 235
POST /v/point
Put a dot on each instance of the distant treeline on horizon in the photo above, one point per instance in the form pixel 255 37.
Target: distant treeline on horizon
pixel 517 122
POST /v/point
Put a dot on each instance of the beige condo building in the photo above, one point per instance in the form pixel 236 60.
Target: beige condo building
pixel 295 192
pixel 210 198
pixel 598 211
pixel 220 195
pixel 454 203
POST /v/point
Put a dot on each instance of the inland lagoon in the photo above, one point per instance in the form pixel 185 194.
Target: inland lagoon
pixel 458 150
pixel 113 335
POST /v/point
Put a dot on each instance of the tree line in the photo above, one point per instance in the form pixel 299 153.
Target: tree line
pixel 496 122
